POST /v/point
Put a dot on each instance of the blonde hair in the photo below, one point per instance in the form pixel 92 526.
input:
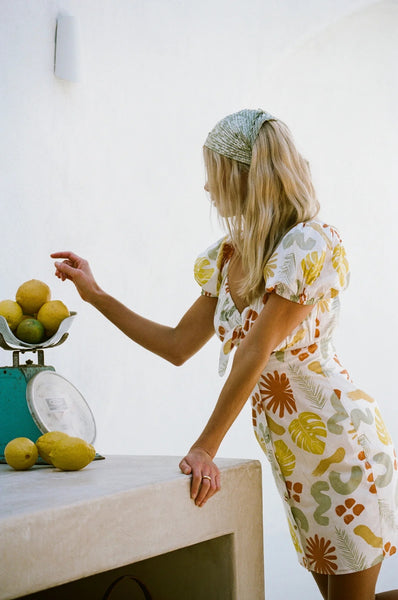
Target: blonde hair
pixel 261 202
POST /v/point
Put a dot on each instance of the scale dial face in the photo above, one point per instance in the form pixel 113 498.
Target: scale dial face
pixel 56 405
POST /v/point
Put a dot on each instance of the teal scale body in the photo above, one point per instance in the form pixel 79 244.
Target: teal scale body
pixel 16 418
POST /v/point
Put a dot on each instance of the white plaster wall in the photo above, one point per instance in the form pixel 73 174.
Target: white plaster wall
pixel 111 167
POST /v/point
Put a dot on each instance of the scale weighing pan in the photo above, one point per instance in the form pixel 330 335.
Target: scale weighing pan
pixel 56 405
pixel 9 341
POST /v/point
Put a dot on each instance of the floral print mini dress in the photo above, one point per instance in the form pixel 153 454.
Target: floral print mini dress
pixel 331 454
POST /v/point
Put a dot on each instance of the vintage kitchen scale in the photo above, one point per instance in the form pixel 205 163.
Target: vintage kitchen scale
pixel 34 399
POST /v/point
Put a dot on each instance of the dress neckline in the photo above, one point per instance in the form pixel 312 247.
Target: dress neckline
pixel 228 292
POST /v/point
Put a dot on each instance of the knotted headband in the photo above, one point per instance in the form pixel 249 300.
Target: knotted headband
pixel 235 135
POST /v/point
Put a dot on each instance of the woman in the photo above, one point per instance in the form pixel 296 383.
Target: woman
pixel 271 290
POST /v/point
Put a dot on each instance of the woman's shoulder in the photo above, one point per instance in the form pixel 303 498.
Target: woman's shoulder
pixel 209 265
pixel 308 264
pixel 312 235
pixel 218 253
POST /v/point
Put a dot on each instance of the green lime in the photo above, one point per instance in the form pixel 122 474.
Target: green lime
pixel 30 331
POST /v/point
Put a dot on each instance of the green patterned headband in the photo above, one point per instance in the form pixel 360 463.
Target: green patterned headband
pixel 235 135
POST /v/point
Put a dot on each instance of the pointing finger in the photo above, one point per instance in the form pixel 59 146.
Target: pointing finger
pixel 65 254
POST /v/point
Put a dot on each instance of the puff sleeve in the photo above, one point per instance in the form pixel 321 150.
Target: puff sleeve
pixel 209 265
pixel 309 264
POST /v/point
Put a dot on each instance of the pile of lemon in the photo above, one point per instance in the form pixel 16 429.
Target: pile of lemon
pixel 33 316
pixel 56 448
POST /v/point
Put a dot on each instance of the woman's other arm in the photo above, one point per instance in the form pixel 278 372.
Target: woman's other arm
pixel 175 344
pixel 276 321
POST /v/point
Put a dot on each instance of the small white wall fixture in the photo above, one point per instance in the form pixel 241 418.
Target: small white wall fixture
pixel 67 54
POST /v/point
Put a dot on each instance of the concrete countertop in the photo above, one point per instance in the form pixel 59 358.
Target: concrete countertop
pixel 60 526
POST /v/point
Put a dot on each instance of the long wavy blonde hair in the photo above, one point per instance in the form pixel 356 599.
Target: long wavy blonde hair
pixel 261 202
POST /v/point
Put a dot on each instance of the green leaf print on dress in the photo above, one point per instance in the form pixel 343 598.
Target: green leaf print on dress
pixel 289 267
pixel 227 311
pixel 355 560
pixel 308 386
pixel 214 251
pixel 306 432
pixel 298 238
pixel 388 515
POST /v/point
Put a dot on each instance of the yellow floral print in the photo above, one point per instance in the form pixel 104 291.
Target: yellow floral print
pixel 285 458
pixel 202 270
pixel 382 431
pixel 324 305
pixel 340 263
pixel 300 335
pixel 312 266
pixel 270 267
pixel 306 432
pixel 295 539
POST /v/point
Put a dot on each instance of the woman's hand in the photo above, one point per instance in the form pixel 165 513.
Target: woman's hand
pixel 76 269
pixel 200 465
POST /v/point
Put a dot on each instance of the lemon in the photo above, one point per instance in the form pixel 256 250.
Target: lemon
pixel 71 454
pixel 30 330
pixel 21 453
pixel 51 314
pixel 12 313
pixel 46 442
pixel 31 295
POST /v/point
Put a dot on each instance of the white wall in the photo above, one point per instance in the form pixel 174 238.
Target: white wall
pixel 111 167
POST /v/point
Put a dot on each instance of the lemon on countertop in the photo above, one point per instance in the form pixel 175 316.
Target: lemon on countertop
pixel 21 453
pixel 71 454
pixel 45 443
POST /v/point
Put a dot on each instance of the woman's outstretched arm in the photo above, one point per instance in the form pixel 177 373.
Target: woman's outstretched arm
pixel 175 344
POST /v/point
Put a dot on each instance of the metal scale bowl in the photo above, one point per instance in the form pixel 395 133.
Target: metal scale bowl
pixel 34 399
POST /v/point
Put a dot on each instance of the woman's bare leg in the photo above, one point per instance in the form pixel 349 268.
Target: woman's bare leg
pixel 322 583
pixel 354 586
